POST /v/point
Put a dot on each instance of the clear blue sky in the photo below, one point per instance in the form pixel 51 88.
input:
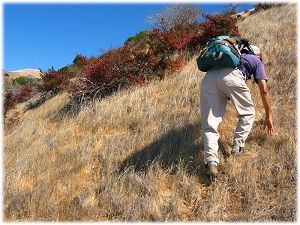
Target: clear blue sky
pixel 46 35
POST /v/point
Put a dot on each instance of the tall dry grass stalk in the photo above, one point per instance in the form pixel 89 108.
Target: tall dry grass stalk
pixel 138 155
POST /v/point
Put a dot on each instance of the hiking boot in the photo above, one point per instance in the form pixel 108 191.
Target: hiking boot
pixel 236 150
pixel 212 171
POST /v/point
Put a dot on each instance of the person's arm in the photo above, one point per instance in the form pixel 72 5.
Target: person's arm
pixel 265 97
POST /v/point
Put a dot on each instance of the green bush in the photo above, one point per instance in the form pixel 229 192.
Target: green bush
pixel 21 80
pixel 136 38
pixel 68 69
pixel 64 69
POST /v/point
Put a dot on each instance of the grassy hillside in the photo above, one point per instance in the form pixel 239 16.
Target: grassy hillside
pixel 31 73
pixel 138 154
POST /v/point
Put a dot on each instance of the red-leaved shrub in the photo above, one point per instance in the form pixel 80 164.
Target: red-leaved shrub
pixel 149 55
pixel 17 94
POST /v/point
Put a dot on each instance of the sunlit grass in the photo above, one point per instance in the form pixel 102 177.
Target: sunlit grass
pixel 138 154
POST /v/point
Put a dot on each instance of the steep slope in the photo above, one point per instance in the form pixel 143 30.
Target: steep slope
pixel 137 155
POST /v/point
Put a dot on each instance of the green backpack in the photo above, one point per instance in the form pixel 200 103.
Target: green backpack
pixel 220 52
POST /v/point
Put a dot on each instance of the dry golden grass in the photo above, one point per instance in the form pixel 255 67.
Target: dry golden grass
pixel 33 73
pixel 138 155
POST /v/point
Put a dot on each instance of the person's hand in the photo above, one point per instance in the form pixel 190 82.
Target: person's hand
pixel 269 125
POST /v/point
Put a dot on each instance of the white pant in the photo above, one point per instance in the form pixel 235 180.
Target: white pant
pixel 216 87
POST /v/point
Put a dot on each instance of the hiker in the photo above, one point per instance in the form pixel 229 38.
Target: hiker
pixel 220 85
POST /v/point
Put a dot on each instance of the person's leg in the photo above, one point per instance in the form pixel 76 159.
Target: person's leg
pixel 241 97
pixel 212 107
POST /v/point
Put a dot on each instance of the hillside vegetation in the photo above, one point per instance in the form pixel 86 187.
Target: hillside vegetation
pixel 147 56
pixel 31 73
pixel 137 155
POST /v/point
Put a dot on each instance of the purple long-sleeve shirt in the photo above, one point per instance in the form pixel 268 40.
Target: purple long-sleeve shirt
pixel 252 65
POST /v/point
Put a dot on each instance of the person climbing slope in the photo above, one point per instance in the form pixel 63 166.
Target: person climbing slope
pixel 221 84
